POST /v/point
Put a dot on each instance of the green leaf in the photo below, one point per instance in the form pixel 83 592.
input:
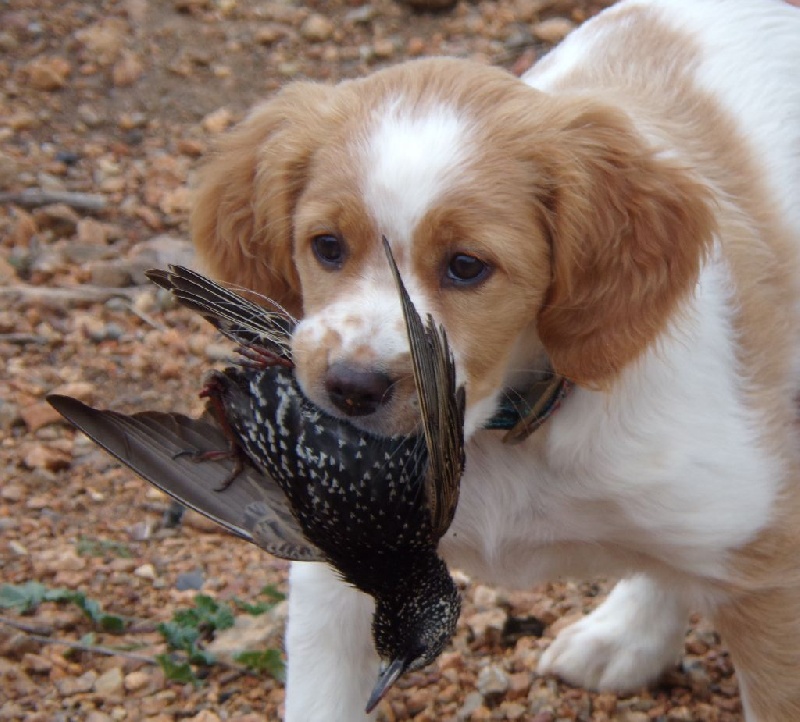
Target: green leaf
pixel 177 671
pixel 22 597
pixel 271 591
pixel 87 547
pixel 198 655
pixel 213 614
pixel 267 660
pixel 253 609
pixel 179 636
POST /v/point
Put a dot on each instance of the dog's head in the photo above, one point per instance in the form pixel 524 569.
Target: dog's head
pixel 536 228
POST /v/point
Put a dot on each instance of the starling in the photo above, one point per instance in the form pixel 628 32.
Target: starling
pixel 304 485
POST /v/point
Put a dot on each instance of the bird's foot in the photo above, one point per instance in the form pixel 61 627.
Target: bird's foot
pixel 258 357
pixel 217 455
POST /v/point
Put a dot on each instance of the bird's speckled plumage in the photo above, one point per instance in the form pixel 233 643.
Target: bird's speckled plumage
pixel 373 507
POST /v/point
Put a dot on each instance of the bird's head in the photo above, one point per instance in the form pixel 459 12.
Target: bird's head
pixel 412 625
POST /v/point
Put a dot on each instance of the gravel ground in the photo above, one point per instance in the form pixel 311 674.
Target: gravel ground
pixel 105 107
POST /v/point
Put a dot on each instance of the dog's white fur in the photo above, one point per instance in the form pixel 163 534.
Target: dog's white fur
pixel 678 464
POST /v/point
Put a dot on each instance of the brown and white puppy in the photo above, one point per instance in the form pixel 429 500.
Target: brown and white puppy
pixel 628 214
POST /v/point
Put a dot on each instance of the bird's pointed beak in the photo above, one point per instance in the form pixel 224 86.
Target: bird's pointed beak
pixel 388 676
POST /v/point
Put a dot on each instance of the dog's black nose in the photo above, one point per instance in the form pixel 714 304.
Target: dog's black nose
pixel 357 391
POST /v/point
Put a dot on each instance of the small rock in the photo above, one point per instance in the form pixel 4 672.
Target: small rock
pixel 8 170
pixel 145 571
pixel 204 716
pixel 190 580
pixel 430 5
pixel 48 73
pixel 269 34
pixel 58 217
pixel 488 624
pixel 633 716
pixel 36 664
pixel 12 492
pixel 250 633
pixel 110 683
pixel 384 48
pixel 109 274
pixel 217 121
pixel 7 272
pixel 127 70
pixel 316 28
pixel 97 716
pixel 89 115
pixel 39 414
pixel 138 680
pixel 415 46
pixel 91 232
pixel 512 710
pixel 492 681
pixel 191 147
pixel 104 40
pixel 553 30
pixel 68 686
pixel 472 702
pixel 23 230
pixel 19 549
pixel 416 701
pixel 159 252
pixel 484 597
pixel 45 457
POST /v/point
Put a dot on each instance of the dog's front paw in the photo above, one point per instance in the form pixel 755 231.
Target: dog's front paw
pixel 625 644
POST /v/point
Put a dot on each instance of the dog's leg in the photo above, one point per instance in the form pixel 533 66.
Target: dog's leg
pixel 762 631
pixel 626 643
pixel 332 664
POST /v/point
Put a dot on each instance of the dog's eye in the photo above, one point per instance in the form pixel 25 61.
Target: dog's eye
pixel 463 269
pixel 329 250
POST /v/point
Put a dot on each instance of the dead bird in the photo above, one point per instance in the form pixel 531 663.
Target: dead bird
pixel 304 485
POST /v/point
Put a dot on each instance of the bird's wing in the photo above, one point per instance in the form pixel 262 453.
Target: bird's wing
pixel 441 405
pixel 253 507
pixel 239 319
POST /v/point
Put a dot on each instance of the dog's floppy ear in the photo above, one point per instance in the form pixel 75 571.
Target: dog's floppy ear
pixel 629 231
pixel 245 195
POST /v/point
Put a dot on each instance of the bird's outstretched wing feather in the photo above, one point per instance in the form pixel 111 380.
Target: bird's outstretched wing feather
pixel 241 320
pixel 253 508
pixel 441 406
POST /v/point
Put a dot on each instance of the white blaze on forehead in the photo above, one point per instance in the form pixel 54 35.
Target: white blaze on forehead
pixel 412 156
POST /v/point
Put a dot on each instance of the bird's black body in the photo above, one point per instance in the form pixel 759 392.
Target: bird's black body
pixel 310 486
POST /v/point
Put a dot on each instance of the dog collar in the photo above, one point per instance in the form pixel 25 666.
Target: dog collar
pixel 520 415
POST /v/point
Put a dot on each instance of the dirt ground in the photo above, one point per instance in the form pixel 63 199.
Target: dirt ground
pixel 105 108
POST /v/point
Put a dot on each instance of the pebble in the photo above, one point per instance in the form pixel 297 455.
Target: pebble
pixel 109 274
pixel 68 686
pixel 553 30
pixel 48 73
pixel 249 633
pixel 110 683
pixel 190 580
pixel 217 121
pixel 145 571
pixel 41 456
pixel 127 70
pixel 39 414
pixel 138 680
pixel 57 217
pixel 488 625
pixel 492 681
pixel 472 702
pixel 103 41
pixel 316 28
